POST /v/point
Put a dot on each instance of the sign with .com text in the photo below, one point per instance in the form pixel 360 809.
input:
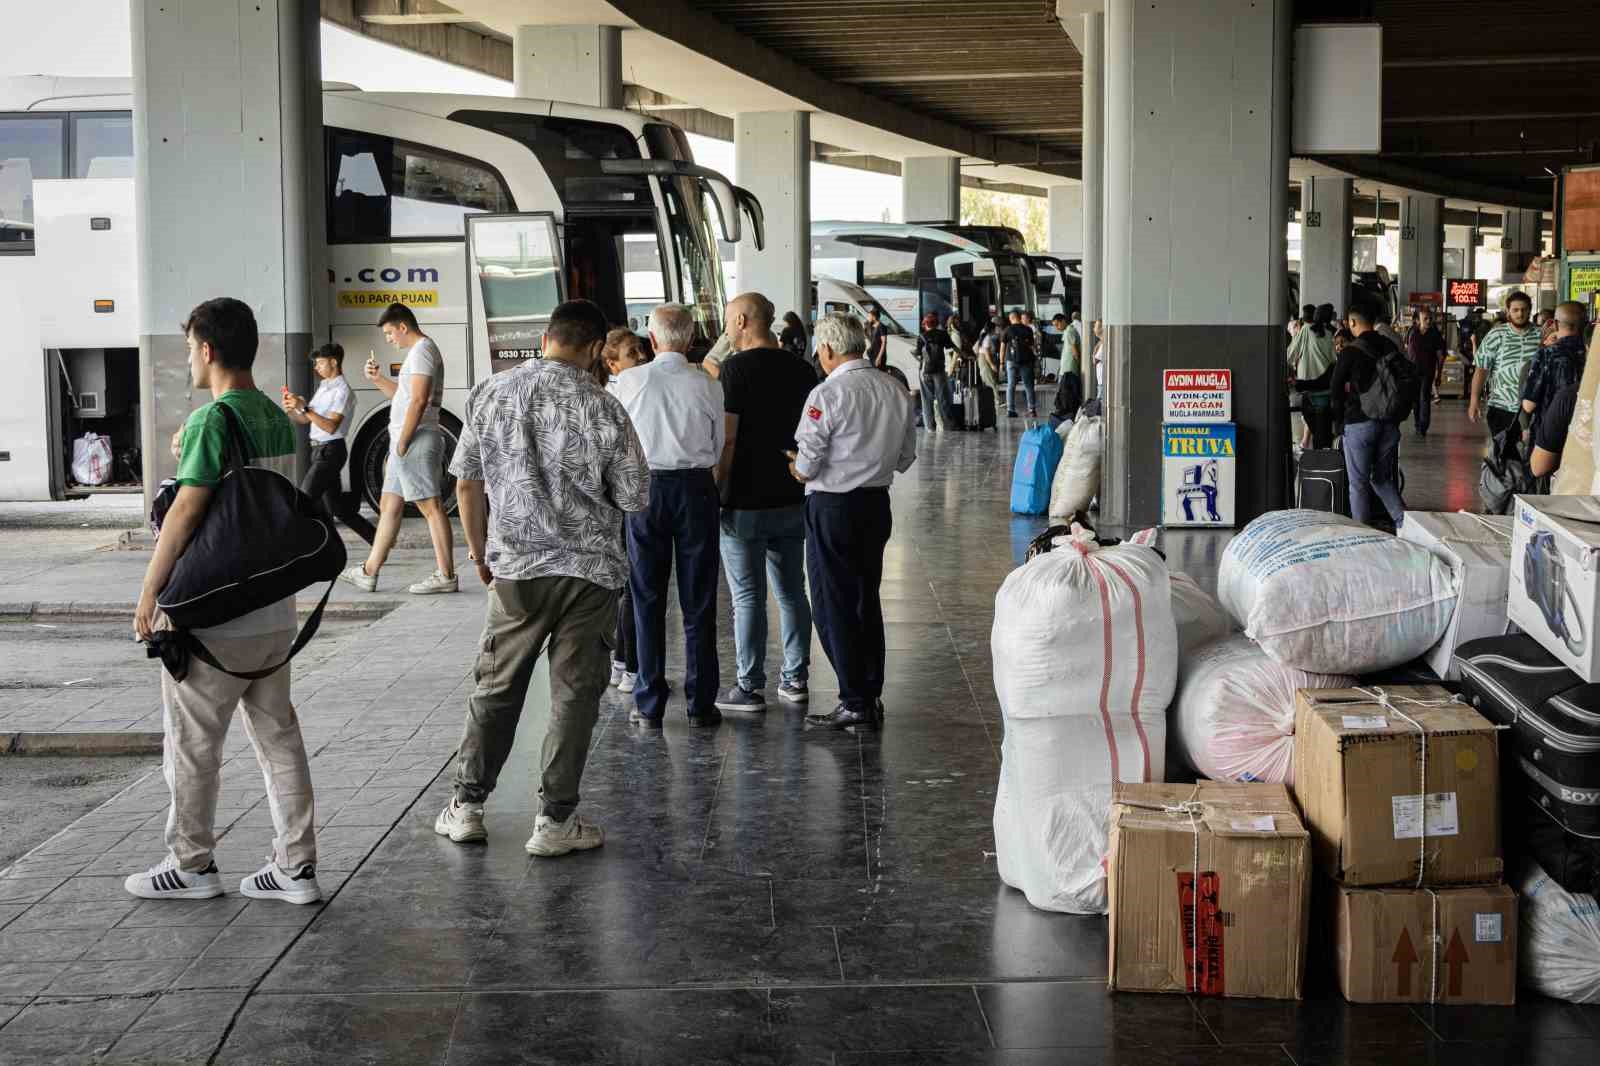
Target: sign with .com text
pixel 1197 396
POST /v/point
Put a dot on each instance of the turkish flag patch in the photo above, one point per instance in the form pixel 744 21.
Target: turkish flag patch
pixel 815 413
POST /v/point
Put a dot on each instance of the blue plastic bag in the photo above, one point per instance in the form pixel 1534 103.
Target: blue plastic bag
pixel 1037 457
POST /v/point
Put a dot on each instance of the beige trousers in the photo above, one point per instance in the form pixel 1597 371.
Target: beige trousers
pixel 197 712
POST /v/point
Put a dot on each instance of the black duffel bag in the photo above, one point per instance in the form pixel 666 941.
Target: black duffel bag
pixel 261 539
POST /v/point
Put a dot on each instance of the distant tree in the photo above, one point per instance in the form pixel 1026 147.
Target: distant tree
pixel 1028 214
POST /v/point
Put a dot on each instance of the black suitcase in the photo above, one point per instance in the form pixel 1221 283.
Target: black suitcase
pixel 1532 833
pixel 987 418
pixel 1321 483
pixel 1553 753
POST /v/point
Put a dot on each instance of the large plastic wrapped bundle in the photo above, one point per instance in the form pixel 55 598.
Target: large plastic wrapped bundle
pixel 1328 595
pixel 1085 663
pixel 1199 617
pixel 1234 717
pixel 1560 939
pixel 1077 480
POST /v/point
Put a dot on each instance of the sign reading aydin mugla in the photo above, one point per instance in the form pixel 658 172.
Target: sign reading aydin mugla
pixel 1197 396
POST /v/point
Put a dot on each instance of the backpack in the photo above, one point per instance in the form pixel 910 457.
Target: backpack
pixel 1392 392
pixel 1018 353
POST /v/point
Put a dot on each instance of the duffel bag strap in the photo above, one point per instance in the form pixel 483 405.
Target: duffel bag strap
pixel 307 631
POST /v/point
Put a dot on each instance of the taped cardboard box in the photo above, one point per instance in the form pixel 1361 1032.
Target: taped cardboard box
pixel 1223 866
pixel 1398 784
pixel 1554 586
pixel 1452 946
pixel 1477 548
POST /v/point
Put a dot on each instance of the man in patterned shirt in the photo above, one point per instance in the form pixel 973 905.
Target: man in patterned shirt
pixel 552 460
pixel 1500 360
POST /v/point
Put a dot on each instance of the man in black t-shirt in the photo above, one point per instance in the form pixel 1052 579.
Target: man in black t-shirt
pixel 1550 432
pixel 763 508
pixel 1018 351
pixel 877 339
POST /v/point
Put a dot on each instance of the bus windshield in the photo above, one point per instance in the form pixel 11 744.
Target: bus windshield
pixel 694 248
pixel 1016 286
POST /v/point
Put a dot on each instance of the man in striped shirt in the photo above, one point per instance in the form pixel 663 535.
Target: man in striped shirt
pixel 1501 358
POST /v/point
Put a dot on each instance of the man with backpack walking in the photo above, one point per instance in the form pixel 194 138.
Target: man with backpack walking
pixel 1377 385
pixel 1018 353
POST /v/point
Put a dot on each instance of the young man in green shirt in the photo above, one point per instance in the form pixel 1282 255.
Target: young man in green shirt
pixel 1501 358
pixel 197 710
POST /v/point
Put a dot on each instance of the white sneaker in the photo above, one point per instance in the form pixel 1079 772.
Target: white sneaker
pixel 617 670
pixel 435 582
pixel 358 577
pixel 274 882
pixel 166 881
pixel 551 837
pixel 629 681
pixel 460 823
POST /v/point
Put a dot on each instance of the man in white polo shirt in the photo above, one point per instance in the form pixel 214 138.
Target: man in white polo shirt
pixel 328 414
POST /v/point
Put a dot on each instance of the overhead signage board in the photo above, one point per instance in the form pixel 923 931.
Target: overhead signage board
pixel 1197 396
pixel 1583 280
pixel 1197 474
pixel 1425 299
pixel 1466 292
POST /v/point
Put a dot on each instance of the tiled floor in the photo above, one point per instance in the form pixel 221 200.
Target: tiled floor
pixel 766 894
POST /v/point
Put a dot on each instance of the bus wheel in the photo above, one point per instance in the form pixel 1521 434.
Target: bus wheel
pixel 894 372
pixel 371 454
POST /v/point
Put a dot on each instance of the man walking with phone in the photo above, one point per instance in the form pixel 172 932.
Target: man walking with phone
pixel 328 414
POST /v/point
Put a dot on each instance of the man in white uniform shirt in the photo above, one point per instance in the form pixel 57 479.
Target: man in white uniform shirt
pixel 328 414
pixel 855 434
pixel 677 411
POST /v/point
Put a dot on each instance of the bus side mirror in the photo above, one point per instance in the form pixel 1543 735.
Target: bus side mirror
pixel 753 212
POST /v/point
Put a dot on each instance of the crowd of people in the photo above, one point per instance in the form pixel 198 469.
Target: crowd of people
pixel 1522 383
pixel 583 479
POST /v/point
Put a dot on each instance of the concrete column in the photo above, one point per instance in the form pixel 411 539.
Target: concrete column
pixel 227 116
pixel 1094 185
pixel 773 160
pixel 1421 245
pixel 1521 238
pixel 930 188
pixel 574 64
pixel 1325 241
pixel 1066 220
pixel 1197 165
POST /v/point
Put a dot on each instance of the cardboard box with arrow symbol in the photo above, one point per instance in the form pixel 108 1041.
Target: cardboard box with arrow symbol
pixel 1417 945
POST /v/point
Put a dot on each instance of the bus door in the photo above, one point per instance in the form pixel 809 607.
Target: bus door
pixel 935 296
pixel 514 267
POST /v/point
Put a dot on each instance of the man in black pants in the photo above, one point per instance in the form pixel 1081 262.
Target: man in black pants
pixel 329 414
pixel 855 434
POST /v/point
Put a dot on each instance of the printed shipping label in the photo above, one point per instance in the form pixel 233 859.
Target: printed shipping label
pixel 1262 824
pixel 1202 912
pixel 1488 928
pixel 1436 818
pixel 1365 721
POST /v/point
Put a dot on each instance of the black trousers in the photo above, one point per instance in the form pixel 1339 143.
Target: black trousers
pixel 322 483
pixel 845 537
pixel 681 525
pixel 626 651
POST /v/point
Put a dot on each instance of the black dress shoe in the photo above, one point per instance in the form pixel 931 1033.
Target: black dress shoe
pixel 709 717
pixel 843 717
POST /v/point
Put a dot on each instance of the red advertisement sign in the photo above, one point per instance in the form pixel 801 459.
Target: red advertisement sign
pixel 1428 299
pixel 1197 395
pixel 1202 974
pixel 1466 292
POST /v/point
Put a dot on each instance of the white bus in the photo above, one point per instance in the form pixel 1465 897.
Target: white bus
pixel 479 213
pixel 829 295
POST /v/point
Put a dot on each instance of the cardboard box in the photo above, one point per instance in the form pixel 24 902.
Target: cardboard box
pixel 1377 812
pixel 1477 548
pixel 1415 945
pixel 1248 910
pixel 1555 553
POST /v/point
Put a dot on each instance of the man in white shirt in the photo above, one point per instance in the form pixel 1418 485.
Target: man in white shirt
pixel 415 470
pixel 677 411
pixel 328 414
pixel 855 434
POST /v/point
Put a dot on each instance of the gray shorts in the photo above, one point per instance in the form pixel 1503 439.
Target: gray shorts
pixel 419 473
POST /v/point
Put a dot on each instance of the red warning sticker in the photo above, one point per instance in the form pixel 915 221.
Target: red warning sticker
pixel 1203 916
pixel 815 413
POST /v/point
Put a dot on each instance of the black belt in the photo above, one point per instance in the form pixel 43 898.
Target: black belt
pixel 319 445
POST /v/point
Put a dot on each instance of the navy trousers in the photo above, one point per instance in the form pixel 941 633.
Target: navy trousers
pixel 681 524
pixel 845 537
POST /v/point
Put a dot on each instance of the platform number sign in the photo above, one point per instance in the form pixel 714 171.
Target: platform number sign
pixel 1313 219
pixel 1408 233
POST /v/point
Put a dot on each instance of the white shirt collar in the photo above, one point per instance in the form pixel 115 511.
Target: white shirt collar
pixel 671 357
pixel 858 363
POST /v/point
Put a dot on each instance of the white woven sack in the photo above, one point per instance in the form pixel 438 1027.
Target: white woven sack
pixel 1077 480
pixel 1199 617
pixel 1560 939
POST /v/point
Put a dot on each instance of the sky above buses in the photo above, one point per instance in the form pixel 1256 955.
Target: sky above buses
pixel 91 38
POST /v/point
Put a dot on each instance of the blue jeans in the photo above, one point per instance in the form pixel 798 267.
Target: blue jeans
pixel 1017 373
pixel 777 539
pixel 935 390
pixel 1371 456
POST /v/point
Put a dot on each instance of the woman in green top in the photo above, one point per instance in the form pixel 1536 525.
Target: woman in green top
pixel 1311 359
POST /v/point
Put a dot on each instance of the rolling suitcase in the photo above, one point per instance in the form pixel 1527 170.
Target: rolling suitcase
pixel 1321 483
pixel 986 417
pixel 1551 752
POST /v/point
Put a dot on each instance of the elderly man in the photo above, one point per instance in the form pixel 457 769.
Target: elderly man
pixel 546 468
pixel 678 413
pixel 856 433
pixel 764 391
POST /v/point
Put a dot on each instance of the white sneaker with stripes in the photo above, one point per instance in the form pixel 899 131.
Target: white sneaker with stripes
pixel 166 881
pixel 274 882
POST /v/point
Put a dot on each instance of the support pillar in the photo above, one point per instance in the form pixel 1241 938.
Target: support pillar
pixel 773 160
pixel 1325 252
pixel 227 125
pixel 1197 181
pixel 574 64
pixel 1421 245
pixel 1521 239
pixel 1066 220
pixel 1094 185
pixel 930 189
